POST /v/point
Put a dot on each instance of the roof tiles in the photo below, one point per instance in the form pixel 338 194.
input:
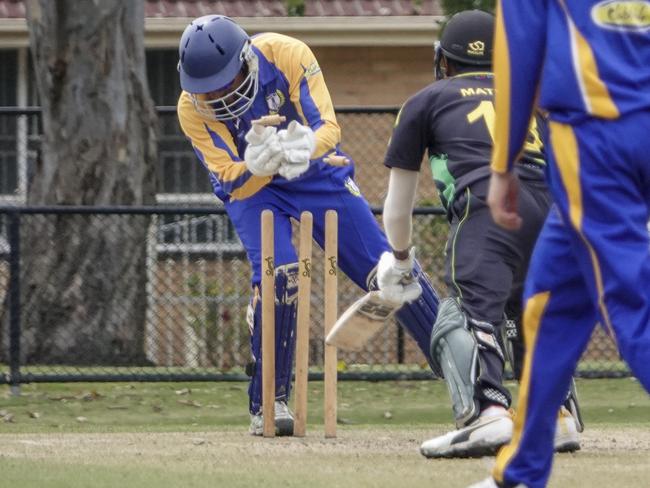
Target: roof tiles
pixel 325 8
pixel 232 8
pixel 12 9
pixel 266 8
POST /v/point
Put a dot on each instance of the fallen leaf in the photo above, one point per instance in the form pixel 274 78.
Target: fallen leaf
pixel 89 396
pixel 190 403
pixel 343 421
pixel 62 398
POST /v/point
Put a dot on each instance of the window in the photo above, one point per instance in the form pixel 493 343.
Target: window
pixel 196 233
pixel 8 124
pixel 19 134
pixel 181 177
pixel 182 180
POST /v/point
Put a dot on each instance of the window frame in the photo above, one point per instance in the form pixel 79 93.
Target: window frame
pixel 26 95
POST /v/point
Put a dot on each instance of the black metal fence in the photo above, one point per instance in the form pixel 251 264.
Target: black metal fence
pixel 73 309
pixel 181 180
pixel 195 293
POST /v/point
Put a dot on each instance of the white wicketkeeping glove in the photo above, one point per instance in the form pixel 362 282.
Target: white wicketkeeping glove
pixel 264 154
pixel 395 278
pixel 298 143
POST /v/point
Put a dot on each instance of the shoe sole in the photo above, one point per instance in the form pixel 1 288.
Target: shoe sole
pixel 284 427
pixel 571 446
pixel 476 451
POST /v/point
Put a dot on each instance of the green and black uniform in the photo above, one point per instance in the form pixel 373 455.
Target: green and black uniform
pixel 452 121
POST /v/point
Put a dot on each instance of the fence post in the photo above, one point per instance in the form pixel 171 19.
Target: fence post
pixel 14 302
pixel 400 344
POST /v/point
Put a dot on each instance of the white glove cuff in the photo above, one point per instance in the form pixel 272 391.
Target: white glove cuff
pixel 406 264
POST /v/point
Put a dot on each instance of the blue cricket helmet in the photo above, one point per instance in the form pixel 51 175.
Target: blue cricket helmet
pixel 212 52
pixel 209 53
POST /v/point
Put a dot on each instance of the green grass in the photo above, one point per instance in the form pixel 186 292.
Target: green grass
pixel 585 365
pixel 165 407
pixel 26 473
pixel 153 435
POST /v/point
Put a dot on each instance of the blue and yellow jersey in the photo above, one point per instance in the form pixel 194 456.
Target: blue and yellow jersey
pixel 290 84
pixel 575 56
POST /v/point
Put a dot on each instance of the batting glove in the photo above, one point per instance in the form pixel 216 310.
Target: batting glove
pixel 298 143
pixel 395 278
pixel 264 154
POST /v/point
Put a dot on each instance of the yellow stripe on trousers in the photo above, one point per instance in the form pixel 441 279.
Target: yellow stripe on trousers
pixel 565 147
pixel 535 307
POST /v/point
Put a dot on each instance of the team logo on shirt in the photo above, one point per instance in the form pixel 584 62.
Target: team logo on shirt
pixel 352 187
pixel 274 101
pixel 476 48
pixel 631 15
pixel 311 70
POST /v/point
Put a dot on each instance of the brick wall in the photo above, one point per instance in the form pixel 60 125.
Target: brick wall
pixel 375 75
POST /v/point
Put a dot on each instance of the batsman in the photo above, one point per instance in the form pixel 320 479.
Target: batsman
pixel 452 120
pixel 231 81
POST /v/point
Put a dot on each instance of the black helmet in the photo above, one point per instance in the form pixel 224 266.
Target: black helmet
pixel 467 38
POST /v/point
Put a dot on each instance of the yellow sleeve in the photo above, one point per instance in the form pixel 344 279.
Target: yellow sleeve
pixel 214 146
pixel 308 92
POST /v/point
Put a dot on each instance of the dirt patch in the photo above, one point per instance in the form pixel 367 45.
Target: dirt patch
pixel 368 457
pixel 376 441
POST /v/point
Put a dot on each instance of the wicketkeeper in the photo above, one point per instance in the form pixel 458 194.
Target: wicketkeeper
pixel 230 80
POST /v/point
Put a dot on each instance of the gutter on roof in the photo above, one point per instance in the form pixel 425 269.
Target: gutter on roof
pixel 13 33
pixel 164 32
pixel 319 31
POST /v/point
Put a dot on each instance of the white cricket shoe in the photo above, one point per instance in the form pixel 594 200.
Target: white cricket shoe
pixel 257 424
pixel 283 420
pixel 486 483
pixel 567 433
pixel 567 438
pixel 483 437
pixel 490 483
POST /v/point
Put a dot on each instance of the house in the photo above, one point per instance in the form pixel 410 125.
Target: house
pixel 373 53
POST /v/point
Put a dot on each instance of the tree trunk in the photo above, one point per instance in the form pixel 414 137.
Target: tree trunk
pixel 83 280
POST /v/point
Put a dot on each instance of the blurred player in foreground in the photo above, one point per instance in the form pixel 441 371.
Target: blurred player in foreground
pixel 452 119
pixel 589 63
pixel 230 80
